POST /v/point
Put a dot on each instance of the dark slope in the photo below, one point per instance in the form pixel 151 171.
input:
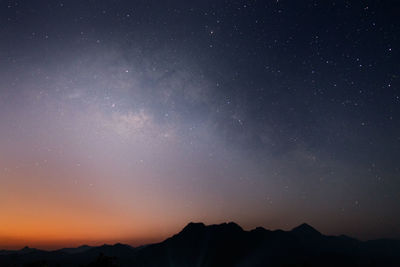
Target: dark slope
pixel 80 256
pixel 229 245
pixel 79 249
pixel 223 245
pixel 198 245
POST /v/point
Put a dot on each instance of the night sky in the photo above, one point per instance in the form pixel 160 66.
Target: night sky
pixel 122 121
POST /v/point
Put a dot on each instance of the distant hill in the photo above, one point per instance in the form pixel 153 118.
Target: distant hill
pixel 225 244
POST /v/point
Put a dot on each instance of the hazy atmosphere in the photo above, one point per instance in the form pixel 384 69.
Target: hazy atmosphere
pixel 122 121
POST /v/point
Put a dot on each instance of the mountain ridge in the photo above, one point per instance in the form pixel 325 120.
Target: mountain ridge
pixel 225 244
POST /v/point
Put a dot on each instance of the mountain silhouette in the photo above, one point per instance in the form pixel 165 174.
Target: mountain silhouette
pixel 305 230
pixel 76 250
pixel 224 244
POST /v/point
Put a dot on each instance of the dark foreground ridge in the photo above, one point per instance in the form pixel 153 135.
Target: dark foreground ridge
pixel 225 244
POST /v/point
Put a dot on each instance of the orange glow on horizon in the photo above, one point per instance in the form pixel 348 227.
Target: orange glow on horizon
pixel 43 214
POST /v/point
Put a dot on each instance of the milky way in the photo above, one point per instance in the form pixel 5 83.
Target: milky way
pixel 124 120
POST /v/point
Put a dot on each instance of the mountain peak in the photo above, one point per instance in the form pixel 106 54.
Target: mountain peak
pixel 26 249
pixel 232 226
pixel 305 229
pixel 192 226
pixel 196 228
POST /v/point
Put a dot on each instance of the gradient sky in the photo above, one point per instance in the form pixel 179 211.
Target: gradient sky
pixel 122 121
